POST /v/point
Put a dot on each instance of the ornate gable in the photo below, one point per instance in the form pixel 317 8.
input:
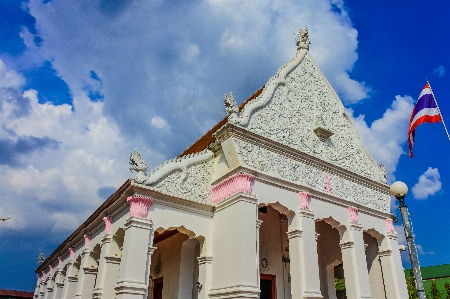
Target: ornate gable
pixel 300 109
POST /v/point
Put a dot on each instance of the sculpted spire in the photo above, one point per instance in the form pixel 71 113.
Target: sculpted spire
pixel 230 104
pixel 302 41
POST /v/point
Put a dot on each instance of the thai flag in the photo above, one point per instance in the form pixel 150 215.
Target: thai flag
pixel 425 111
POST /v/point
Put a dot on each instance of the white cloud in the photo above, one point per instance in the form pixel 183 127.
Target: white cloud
pixel 157 63
pixel 439 71
pixel 159 122
pixel 385 136
pixel 429 183
pixel 10 78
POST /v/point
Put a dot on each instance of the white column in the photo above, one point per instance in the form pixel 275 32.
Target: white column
pixel 59 281
pixel 137 249
pixel 49 284
pixel 204 276
pixel 36 288
pixel 109 265
pixel 43 286
pixel 304 263
pixel 354 260
pixel 391 265
pixel 71 279
pixel 87 274
pixel 235 248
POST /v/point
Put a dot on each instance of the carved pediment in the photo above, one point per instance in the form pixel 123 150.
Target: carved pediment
pixel 300 109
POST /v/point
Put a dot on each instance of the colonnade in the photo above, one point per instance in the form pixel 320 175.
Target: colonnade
pixel 234 271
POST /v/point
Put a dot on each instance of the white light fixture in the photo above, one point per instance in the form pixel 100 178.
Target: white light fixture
pixel 399 189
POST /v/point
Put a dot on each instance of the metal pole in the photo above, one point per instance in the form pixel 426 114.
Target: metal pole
pixel 411 247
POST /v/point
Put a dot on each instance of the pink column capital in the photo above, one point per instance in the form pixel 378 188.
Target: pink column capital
pixel 87 240
pixel 353 214
pixel 72 253
pixel 239 182
pixel 305 198
pixel 389 225
pixel 108 223
pixel 60 262
pixel 139 205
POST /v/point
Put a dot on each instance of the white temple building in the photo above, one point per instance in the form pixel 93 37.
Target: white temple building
pixel 279 200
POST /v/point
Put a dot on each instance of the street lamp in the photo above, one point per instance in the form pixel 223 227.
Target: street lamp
pixel 399 191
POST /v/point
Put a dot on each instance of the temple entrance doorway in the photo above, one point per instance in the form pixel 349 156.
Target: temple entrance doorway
pixel 157 288
pixel 267 286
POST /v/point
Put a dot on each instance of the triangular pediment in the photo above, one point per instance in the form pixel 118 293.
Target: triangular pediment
pixel 299 109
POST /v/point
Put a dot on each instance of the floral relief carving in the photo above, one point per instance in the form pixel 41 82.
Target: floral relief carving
pixel 284 167
pixel 294 103
pixel 188 177
pixel 194 185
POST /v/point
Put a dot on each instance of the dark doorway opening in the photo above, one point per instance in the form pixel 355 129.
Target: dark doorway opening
pixel 157 288
pixel 267 286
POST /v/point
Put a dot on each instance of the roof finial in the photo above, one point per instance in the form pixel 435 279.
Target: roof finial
pixel 302 41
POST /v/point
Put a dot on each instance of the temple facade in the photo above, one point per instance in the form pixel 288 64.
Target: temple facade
pixel 279 200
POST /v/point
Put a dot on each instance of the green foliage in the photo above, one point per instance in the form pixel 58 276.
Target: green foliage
pixel 340 284
pixel 447 290
pixel 411 285
pixel 434 291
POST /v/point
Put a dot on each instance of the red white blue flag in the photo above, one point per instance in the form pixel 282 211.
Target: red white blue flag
pixel 425 111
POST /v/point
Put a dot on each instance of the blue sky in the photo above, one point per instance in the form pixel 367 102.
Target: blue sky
pixel 84 82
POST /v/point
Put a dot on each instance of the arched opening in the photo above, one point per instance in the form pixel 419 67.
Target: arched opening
pixel 174 269
pixel 274 259
pixel 371 244
pixel 331 271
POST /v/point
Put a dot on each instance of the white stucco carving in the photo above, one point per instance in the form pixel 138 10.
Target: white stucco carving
pixel 302 40
pixel 288 168
pixel 188 177
pixel 296 101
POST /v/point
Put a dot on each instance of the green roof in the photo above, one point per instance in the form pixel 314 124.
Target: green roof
pixel 433 272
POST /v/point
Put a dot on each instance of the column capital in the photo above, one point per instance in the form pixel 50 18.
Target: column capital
pixel 305 214
pixel 239 182
pixel 139 223
pixel 106 239
pixel 131 287
pixel 108 224
pixel 139 205
pixel 346 245
pixel 294 234
pixel 151 249
pixel 305 199
pixel 386 252
pixel 112 259
pixel 392 236
pixel 258 223
pixel 355 226
pixel 353 213
pixel 204 260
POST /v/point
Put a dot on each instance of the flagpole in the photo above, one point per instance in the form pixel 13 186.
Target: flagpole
pixel 439 110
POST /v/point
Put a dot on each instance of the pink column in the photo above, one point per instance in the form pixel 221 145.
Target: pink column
pixel 389 225
pixel 239 182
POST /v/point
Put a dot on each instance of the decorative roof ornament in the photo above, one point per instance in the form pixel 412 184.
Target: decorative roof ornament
pixel 383 176
pixel 302 41
pixel 137 163
pixel 231 106
pixel 41 259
